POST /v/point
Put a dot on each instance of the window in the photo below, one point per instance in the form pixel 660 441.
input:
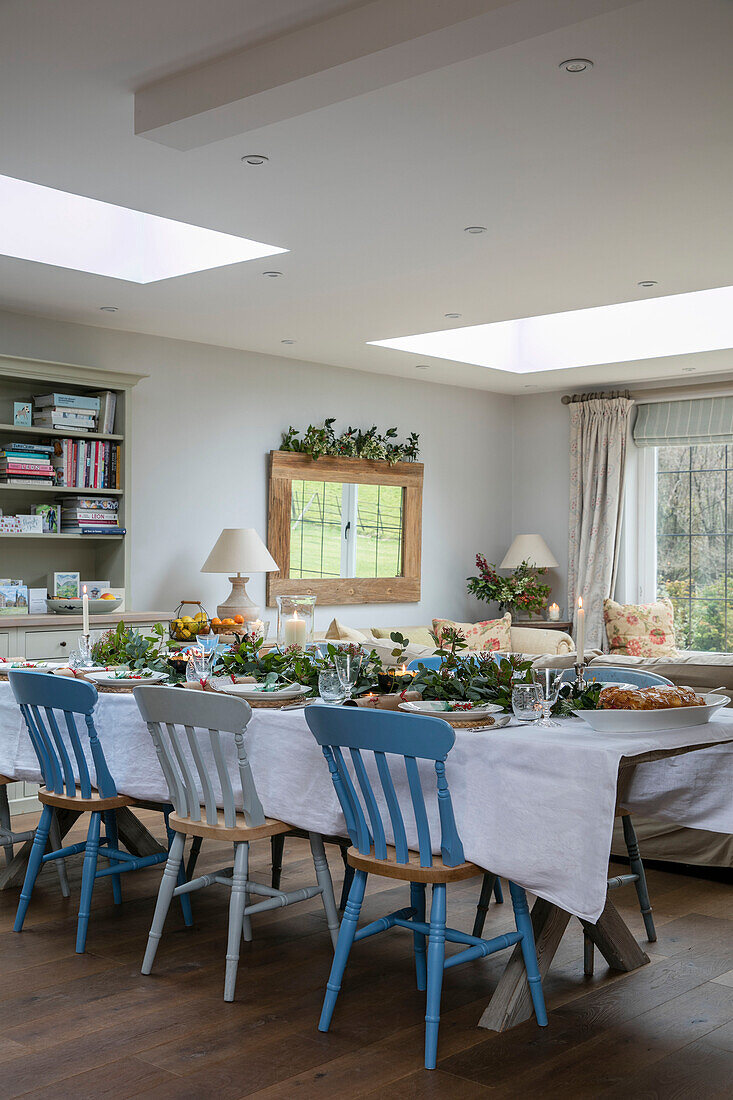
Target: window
pixel 345 530
pixel 694 538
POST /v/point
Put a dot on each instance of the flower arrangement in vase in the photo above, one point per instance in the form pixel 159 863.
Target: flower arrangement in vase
pixel 522 591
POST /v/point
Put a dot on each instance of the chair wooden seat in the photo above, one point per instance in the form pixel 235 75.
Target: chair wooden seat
pixel 239 832
pixel 76 802
pixel 412 871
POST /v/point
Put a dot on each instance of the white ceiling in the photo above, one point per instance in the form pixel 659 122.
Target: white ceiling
pixel 587 183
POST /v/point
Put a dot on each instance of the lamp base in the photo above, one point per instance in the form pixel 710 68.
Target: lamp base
pixel 238 602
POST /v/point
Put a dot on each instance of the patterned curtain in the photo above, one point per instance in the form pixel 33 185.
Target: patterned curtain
pixel 598 431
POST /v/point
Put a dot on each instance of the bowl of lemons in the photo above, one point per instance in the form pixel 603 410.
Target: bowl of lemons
pixel 187 628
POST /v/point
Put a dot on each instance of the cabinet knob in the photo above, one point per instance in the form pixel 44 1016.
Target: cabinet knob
pixel 62 644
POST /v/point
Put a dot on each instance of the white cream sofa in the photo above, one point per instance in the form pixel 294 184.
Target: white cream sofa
pixel 527 640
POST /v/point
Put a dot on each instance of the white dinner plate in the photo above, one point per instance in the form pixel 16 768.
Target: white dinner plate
pixel 440 710
pixel 126 677
pixel 649 721
pixel 292 691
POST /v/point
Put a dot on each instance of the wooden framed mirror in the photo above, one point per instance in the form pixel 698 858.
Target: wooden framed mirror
pixel 346 530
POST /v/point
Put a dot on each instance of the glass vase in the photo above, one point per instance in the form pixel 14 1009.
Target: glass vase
pixel 295 616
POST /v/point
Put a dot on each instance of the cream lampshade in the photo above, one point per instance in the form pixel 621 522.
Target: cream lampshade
pixel 239 550
pixel 530 548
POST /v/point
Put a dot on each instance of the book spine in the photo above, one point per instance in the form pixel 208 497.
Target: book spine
pixel 115 530
pixel 41 447
pixel 26 468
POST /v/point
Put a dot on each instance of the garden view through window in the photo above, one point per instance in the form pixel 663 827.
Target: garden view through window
pixel 343 530
pixel 695 542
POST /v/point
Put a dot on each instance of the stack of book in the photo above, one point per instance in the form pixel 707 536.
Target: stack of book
pixel 26 464
pixel 90 516
pixel 87 464
pixel 66 410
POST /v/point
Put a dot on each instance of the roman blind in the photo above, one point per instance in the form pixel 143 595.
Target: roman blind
pixel 684 423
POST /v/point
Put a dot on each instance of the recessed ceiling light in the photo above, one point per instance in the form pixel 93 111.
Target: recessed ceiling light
pixel 531 387
pixel 109 309
pixel 689 370
pixel 255 158
pixel 453 316
pixel 576 65
pixel 647 282
pixel 54 227
pixel 475 229
pixel 421 366
pixel 646 328
pixel 272 274
pixel 287 341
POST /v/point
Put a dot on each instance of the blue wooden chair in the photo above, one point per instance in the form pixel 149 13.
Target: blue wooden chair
pixel 48 704
pixel 618 675
pixel 491 883
pixel 374 734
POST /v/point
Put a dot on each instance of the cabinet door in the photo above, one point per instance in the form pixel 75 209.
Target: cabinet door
pixel 4 645
pixel 41 644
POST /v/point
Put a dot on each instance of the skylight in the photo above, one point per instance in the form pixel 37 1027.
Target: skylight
pixel 55 227
pixel 679 324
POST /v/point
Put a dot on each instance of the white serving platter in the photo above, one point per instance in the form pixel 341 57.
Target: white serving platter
pixel 650 721
pixel 436 709
pixel 125 677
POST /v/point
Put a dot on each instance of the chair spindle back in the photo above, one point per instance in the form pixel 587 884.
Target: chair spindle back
pixel 378 733
pixel 43 700
pixel 186 728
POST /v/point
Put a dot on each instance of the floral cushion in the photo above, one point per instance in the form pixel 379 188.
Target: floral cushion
pixel 495 634
pixel 640 630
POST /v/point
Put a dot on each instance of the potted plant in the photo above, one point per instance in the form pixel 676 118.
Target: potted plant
pixel 522 591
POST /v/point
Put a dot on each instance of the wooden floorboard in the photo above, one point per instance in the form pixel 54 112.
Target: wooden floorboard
pixel 90 1026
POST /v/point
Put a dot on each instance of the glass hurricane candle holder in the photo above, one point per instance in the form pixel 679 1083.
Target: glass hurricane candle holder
pixel 295 616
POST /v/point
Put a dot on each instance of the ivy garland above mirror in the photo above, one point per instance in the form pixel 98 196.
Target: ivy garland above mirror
pixel 353 443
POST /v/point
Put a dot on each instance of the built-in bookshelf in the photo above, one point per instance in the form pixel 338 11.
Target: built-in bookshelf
pixel 33 557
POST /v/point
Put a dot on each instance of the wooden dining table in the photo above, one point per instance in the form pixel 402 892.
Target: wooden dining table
pixel 536 806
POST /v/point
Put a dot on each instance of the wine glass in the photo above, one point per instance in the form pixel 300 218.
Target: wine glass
pixel 550 691
pixel 348 667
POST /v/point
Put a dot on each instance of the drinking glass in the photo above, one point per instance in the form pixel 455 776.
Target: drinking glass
pixel 348 667
pixel 330 688
pixel 525 698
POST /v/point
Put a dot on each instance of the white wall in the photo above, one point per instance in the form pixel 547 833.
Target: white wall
pixel 541 479
pixel 205 419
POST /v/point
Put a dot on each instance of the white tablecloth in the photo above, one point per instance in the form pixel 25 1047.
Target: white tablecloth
pixel 532 805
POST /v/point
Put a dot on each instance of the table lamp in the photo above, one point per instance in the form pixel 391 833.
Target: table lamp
pixel 239 550
pixel 530 548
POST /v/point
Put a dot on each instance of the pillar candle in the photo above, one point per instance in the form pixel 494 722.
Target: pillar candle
pixel 295 631
pixel 580 646
pixel 84 612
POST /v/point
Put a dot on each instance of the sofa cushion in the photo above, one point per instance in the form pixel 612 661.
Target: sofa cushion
pixel 526 639
pixel 338 632
pixel 640 630
pixel 418 635
pixel 493 634
pixel 687 668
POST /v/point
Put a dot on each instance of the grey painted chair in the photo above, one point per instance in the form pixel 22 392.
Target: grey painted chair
pixel 188 730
